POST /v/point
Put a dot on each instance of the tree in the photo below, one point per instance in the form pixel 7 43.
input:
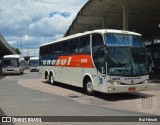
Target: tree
pixel 17 50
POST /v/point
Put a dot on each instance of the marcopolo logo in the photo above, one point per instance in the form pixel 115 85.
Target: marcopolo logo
pixel 62 62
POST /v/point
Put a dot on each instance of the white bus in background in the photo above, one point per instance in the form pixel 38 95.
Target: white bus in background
pixel 12 64
pixel 108 61
pixel 34 64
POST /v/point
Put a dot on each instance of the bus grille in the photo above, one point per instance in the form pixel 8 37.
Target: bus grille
pixel 10 69
pixel 131 84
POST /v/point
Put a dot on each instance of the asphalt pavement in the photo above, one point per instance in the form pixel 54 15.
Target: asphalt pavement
pixel 29 95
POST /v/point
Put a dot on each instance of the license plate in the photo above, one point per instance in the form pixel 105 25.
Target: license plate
pixel 132 89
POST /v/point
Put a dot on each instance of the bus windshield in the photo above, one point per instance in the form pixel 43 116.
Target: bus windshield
pixel 125 61
pixel 34 62
pixel 127 55
pixel 12 62
pixel 124 40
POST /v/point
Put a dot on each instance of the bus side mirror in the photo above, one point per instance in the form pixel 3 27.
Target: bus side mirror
pixel 148 51
pixel 101 51
pixel 150 62
pixel 106 55
pixel 105 50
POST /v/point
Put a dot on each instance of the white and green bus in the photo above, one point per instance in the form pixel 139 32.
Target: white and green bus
pixel 108 61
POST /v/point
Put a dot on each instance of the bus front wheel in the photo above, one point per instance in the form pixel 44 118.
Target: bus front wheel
pixel 51 79
pixel 88 86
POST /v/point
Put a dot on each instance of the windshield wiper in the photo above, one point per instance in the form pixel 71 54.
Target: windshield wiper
pixel 137 64
pixel 140 68
pixel 126 68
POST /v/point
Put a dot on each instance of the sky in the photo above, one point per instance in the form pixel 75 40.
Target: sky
pixel 26 24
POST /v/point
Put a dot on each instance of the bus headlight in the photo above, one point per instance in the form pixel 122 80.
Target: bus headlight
pixel 114 82
pixel 146 81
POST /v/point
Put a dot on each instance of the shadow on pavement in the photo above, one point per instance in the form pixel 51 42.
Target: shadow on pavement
pixel 65 86
pixel 122 96
pixel 107 97
pixel 1 76
pixel 16 74
pixel 2 114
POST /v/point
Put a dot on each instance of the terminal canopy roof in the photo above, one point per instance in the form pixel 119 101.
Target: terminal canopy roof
pixel 5 48
pixel 142 16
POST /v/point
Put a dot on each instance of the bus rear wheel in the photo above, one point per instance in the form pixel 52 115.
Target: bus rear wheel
pixel 88 87
pixel 51 79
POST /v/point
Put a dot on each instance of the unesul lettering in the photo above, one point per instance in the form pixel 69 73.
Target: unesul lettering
pixel 58 62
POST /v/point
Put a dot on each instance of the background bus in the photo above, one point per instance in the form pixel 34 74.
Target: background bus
pixel 34 64
pixel 12 64
pixel 109 61
pixel 151 64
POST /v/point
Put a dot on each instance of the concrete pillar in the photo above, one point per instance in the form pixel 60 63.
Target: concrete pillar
pixel 103 22
pixel 93 26
pixel 125 17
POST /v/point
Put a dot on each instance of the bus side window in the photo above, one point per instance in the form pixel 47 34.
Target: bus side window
pixel 97 41
pixel 74 43
pixel 41 51
pixel 137 42
pixel 46 51
pixel 84 44
pixel 65 47
pixel 98 54
pixel 52 49
pixel 57 48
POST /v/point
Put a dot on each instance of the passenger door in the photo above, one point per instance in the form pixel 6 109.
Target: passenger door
pixel 98 54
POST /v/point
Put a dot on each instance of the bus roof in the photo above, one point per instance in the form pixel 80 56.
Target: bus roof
pixel 11 56
pixel 34 58
pixel 102 31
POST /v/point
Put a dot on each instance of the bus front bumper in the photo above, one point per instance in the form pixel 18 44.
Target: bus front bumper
pixel 4 71
pixel 34 69
pixel 127 88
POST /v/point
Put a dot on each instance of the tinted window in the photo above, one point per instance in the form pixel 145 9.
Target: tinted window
pixel 52 48
pixel 98 53
pixel 65 46
pixel 124 40
pixel 11 62
pixel 74 43
pixel 84 44
pixel 41 51
pixel 46 50
pixel 97 41
pixel 57 48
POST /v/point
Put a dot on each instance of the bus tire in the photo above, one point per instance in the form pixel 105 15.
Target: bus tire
pixel 51 79
pixel 88 87
pixel 46 76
